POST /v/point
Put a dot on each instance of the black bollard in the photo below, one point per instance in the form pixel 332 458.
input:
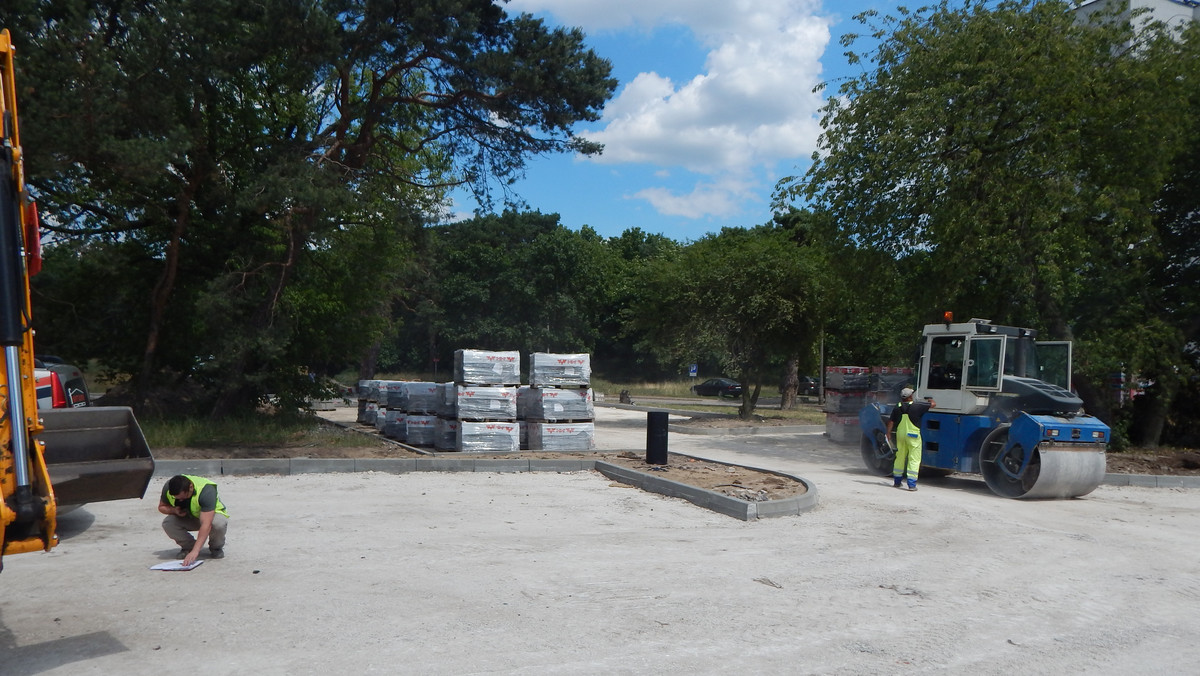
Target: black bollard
pixel 656 438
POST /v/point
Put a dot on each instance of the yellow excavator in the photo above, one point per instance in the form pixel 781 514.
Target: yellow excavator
pixel 50 459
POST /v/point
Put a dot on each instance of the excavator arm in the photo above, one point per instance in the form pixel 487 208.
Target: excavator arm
pixel 28 510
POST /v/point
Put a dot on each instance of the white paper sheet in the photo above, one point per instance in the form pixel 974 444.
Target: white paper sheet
pixel 176 565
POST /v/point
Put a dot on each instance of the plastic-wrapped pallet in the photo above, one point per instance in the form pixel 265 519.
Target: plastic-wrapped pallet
pixel 524 392
pixel 381 418
pixel 488 436
pixel 486 403
pixel 364 386
pixel 560 370
pixel 551 404
pixel 391 394
pixel 373 391
pixel 447 406
pixel 394 425
pixel 890 379
pixel 849 403
pixel 480 367
pixel 445 434
pixel 421 397
pixel 847 377
pixel 370 413
pixel 842 429
pixel 421 430
pixel 562 436
pixel 523 434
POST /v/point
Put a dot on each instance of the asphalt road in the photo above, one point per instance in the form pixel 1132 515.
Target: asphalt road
pixel 486 573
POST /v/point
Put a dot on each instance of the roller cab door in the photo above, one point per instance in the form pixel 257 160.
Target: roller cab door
pixel 1054 362
pixel 985 363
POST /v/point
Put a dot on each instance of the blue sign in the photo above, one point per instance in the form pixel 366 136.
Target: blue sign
pixel 692 370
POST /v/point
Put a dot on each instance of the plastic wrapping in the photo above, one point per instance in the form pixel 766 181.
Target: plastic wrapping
pixel 392 395
pixel 488 436
pixel 478 367
pixel 553 404
pixel 370 413
pixel 445 434
pixel 447 403
pixel 486 403
pixel 420 429
pixel 562 437
pixel 560 370
pixel 394 424
pixel 421 397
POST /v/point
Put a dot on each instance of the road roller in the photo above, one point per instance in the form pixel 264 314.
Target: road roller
pixel 1004 409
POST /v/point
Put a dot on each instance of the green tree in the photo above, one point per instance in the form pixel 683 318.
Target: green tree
pixel 1008 154
pixel 230 150
pixel 513 281
pixel 748 298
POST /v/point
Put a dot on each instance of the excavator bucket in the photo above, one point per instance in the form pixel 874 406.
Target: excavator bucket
pixel 95 453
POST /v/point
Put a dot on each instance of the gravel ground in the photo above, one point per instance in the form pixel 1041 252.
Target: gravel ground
pixel 568 573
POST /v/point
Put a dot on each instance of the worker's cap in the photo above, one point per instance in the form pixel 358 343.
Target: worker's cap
pixel 906 393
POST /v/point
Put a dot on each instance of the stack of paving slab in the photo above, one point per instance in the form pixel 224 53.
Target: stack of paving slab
pixel 419 401
pixel 886 382
pixel 845 395
pixel 558 407
pixel 850 388
pixel 368 401
pixel 485 400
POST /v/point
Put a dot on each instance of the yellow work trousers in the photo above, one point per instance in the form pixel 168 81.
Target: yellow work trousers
pixel 908 456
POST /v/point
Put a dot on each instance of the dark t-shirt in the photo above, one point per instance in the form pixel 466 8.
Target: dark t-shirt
pixel 208 498
pixel 915 410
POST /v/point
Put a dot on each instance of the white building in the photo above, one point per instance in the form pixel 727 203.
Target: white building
pixel 1173 13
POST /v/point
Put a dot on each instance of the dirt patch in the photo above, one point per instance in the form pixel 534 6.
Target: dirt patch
pixel 732 480
pixel 1172 461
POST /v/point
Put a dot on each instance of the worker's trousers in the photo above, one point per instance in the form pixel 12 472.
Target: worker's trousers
pixel 908 458
pixel 179 529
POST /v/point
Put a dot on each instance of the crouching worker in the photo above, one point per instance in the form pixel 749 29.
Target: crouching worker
pixel 191 504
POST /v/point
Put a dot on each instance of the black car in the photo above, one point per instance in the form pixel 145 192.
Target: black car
pixel 718 387
pixel 809 387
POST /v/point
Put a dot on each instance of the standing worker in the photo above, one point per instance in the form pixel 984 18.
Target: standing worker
pixel 191 504
pixel 906 421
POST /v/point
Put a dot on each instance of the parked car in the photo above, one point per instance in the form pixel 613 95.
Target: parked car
pixel 60 385
pixel 809 387
pixel 718 387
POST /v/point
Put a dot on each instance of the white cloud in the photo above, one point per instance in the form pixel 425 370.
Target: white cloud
pixel 720 198
pixel 752 107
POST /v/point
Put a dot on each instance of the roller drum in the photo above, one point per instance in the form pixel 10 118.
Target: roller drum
pixel 1066 471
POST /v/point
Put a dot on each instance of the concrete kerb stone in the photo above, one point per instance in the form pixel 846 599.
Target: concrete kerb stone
pixel 389 465
pixel 745 510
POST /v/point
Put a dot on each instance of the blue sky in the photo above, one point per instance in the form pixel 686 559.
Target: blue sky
pixel 714 104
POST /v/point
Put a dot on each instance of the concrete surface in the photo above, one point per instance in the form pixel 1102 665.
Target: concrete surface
pixel 470 573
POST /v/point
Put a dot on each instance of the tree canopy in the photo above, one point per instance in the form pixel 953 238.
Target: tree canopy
pixel 748 298
pixel 1015 158
pixel 242 162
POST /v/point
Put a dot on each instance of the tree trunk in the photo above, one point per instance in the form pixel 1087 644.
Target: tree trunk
pixel 237 394
pixel 1150 414
pixel 160 295
pixel 790 386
